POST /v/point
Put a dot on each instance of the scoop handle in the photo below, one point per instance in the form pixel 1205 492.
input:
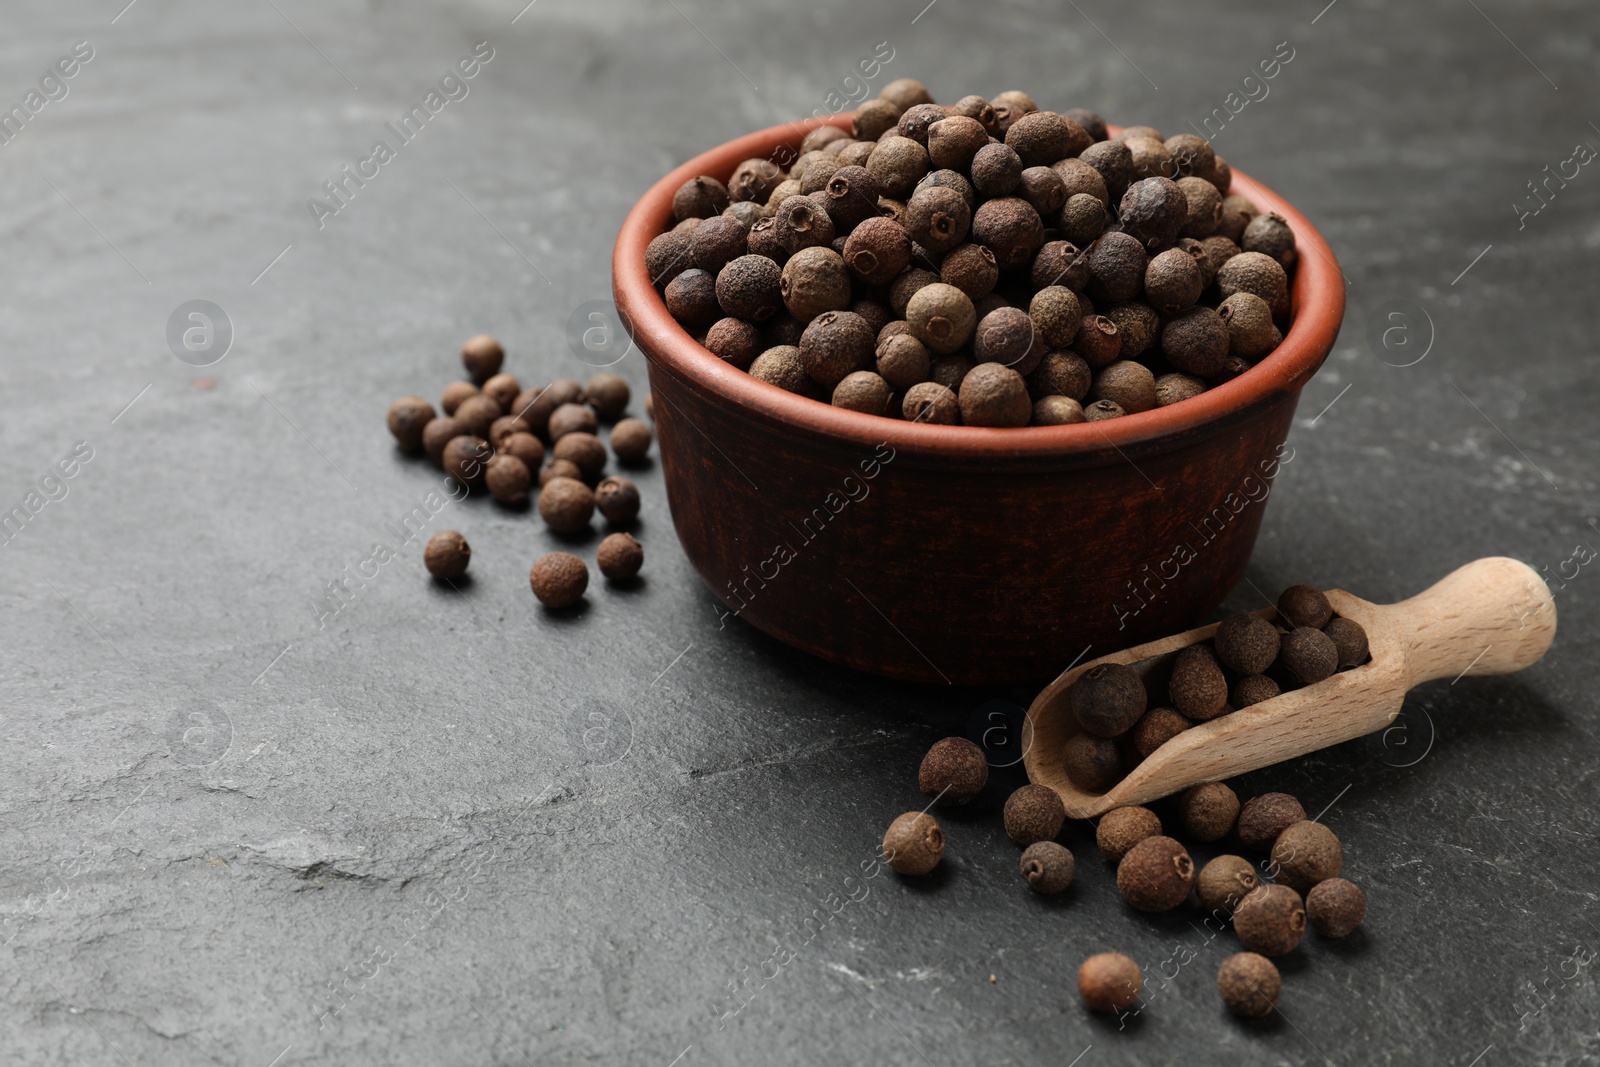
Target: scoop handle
pixel 1491 616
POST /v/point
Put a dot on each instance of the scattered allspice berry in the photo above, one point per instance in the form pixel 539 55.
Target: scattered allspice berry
pixel 1122 828
pixel 1270 920
pixel 502 389
pixel 954 770
pixel 608 394
pixel 446 555
pixel 1224 882
pixel 1108 698
pixel 913 843
pixel 1309 654
pixel 583 450
pixel 1247 643
pixel 408 418
pixel 508 479
pixel 1156 874
pixel 1047 867
pixel 465 458
pixel 1208 811
pixel 571 418
pixel 566 505
pixel 618 500
pixel 1336 907
pixel 1034 813
pixel 482 357
pixel 1305 854
pixel 630 440
pixel 476 414
pixel 525 447
pixel 1263 818
pixel 438 433
pixel 559 468
pixel 1249 984
pixel 1349 640
pixel 1093 763
pixel 1110 982
pixel 559 579
pixel 619 557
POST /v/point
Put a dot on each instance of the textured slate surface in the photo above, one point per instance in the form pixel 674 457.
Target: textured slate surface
pixel 411 813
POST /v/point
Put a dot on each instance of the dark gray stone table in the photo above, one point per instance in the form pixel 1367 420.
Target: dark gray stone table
pixel 446 828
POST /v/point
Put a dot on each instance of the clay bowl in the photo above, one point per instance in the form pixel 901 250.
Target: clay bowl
pixel 957 554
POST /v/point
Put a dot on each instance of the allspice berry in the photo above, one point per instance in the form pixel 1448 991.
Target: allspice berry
pixel 1254 272
pixel 571 418
pixel 699 198
pixel 465 458
pixel 972 269
pixel 906 93
pixel 525 447
pixel 994 395
pixel 1205 207
pixel 942 317
pixel 938 218
pixel 1208 811
pixel 608 394
pixel 1304 605
pixel 482 357
pixel 1121 829
pixel 667 256
pixel 618 500
pixel 1336 907
pixel 734 341
pixel 954 770
pixel 1138 327
pixel 438 433
pixel 1034 813
pixel 1310 655
pixel 1172 281
pixel 1196 342
pixel 1174 388
pixel 408 417
pixel 1155 728
pixel 873 118
pixel 954 141
pixel 1252 689
pixel 1306 853
pixel 931 403
pixel 1110 982
pixel 1153 210
pixel 996 170
pixel 619 557
pixel 750 288
pixel 584 451
pixel 1047 867
pixel 1198 688
pixel 455 394
pixel 902 360
pixel 630 440
pixel 1249 984
pixel 1093 763
pixel 508 479
pixel 1056 315
pixel 814 280
pixel 1061 373
pixel 865 392
pixel 1083 218
pixel 1007 336
pixel 1224 882
pixel 897 164
pixel 1270 235
pixel 1116 267
pixel 476 414
pixel 913 843
pixel 1114 161
pixel 1156 874
pixel 1263 818
pixel 1108 698
pixel 1010 228
pixel 1130 385
pixel 718 241
pixel 1349 639
pixel 1042 137
pixel 1247 643
pixel 559 468
pixel 1270 920
pixel 1249 323
pixel 1057 411
pixel 1101 410
pixel 558 579
pixel 691 298
pixel 877 250
pixel 446 555
pixel 501 429
pixel 566 505
pixel 834 344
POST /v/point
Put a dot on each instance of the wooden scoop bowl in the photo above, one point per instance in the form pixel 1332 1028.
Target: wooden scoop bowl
pixel 1493 616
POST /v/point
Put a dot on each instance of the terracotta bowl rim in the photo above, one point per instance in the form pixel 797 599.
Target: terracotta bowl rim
pixel 1317 308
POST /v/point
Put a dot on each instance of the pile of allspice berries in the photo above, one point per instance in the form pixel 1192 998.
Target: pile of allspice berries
pixel 984 263
pixel 1268 904
pixel 495 435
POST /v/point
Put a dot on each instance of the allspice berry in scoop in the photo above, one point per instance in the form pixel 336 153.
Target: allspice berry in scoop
pixel 630 440
pixel 1336 907
pixel 1252 689
pixel 1309 654
pixel 1263 818
pixel 1198 688
pixel 1155 728
pixel 1122 828
pixel 1249 984
pixel 447 555
pixel 1047 867
pixel 1034 813
pixel 559 579
pixel 408 417
pixel 1305 854
pixel 619 557
pixel 482 357
pixel 1108 698
pixel 1271 920
pixel 1156 874
pixel 1224 882
pixel 1247 643
pixel 566 505
pixel 618 500
pixel 1304 605
pixel 1349 639
pixel 1109 982
pixel 1208 811
pixel 913 843
pixel 1093 763
pixel 954 770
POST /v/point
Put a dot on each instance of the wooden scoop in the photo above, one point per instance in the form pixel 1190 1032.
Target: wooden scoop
pixel 1493 616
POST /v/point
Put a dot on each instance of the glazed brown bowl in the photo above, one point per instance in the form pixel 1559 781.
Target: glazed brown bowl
pixel 962 554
